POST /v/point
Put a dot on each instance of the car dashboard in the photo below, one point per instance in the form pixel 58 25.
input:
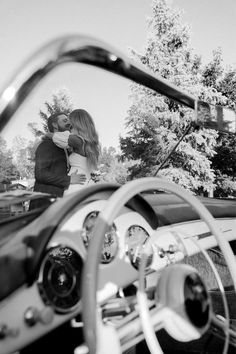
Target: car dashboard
pixel 54 296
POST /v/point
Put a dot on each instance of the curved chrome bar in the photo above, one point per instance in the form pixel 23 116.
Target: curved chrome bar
pixel 79 49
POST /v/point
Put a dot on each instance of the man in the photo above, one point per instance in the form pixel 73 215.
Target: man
pixel 51 165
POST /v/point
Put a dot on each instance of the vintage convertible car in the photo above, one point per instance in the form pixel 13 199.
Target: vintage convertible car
pixel 139 267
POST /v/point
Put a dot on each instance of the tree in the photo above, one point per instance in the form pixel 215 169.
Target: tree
pixel 60 102
pixel 227 85
pixel 213 70
pixel 156 123
pixel 224 164
pixel 224 161
pixel 225 186
pixel 22 156
pixel 8 170
pixel 112 168
pixel 215 76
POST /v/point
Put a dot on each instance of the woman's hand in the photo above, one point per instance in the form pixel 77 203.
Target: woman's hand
pixel 48 135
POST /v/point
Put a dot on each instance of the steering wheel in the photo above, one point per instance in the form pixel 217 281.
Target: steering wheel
pixel 91 318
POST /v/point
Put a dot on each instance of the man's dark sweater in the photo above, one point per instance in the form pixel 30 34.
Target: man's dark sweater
pixel 50 172
pixel 50 169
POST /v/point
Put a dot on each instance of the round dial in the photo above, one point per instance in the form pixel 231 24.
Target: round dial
pixel 60 278
pixel 136 237
pixel 110 244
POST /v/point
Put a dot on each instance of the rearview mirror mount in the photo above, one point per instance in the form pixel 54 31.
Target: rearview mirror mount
pixel 216 117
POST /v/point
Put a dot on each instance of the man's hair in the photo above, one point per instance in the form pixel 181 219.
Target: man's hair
pixel 53 118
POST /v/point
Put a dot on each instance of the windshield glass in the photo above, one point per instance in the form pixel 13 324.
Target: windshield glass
pixel 132 131
pixel 145 134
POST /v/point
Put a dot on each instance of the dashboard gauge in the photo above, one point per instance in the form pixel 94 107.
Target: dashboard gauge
pixel 136 237
pixel 60 279
pixel 110 244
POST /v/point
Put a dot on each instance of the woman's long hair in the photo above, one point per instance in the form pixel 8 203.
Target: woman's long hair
pixel 83 123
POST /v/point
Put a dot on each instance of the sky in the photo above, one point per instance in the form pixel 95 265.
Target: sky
pixel 27 25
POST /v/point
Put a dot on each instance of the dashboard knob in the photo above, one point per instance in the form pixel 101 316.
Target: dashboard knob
pixel 173 249
pixel 46 315
pixel 5 331
pixel 161 253
pixel 32 315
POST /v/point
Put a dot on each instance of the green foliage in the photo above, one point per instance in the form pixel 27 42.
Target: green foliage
pixel 33 127
pixel 8 170
pixel 22 157
pixel 155 124
pixel 225 158
pixel 225 186
pixel 214 70
pixel 227 85
pixel 181 177
pixel 112 168
pixel 60 102
pixel 224 161
pixel 31 148
pixel 224 164
pixel 223 80
pixel 142 144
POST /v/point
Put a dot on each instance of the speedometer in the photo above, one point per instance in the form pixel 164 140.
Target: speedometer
pixel 136 237
pixel 110 244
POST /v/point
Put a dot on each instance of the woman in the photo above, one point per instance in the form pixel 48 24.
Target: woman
pixel 83 139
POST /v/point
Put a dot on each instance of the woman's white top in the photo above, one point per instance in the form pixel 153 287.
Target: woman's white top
pixel 77 162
